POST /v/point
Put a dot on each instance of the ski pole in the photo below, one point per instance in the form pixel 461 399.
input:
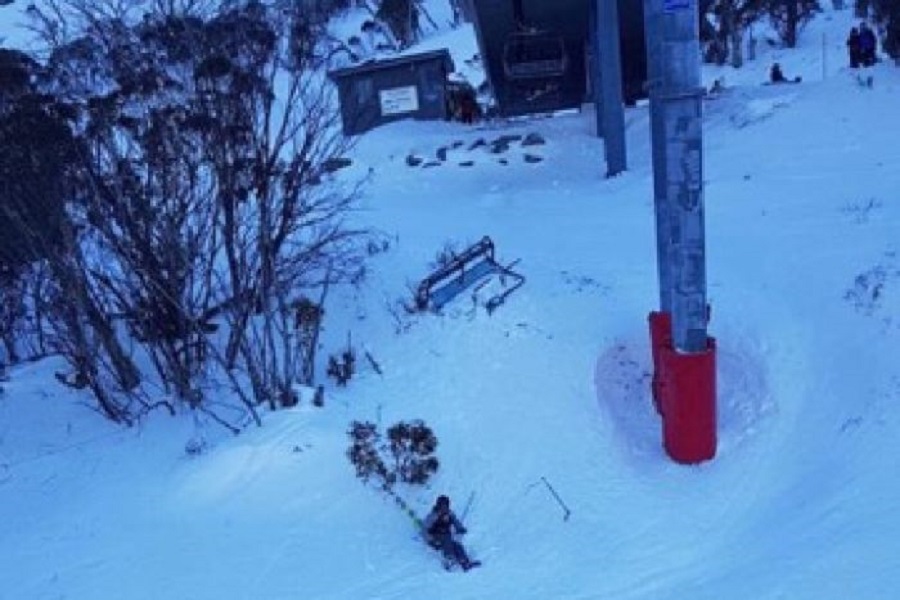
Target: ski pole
pixel 566 511
pixel 467 507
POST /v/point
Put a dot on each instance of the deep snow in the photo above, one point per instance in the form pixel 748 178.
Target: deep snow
pixel 802 211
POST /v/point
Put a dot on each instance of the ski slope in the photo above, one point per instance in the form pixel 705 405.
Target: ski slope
pixel 802 211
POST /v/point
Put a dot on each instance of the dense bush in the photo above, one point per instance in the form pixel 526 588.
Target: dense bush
pixel 407 456
pixel 145 162
pixel 412 447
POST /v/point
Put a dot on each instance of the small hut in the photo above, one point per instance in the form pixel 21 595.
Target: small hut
pixel 380 91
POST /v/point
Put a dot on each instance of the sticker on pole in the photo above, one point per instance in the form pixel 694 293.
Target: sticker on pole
pixel 676 5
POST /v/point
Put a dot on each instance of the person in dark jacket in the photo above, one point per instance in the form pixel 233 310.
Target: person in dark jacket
pixel 776 75
pixel 439 527
pixel 867 43
pixel 853 48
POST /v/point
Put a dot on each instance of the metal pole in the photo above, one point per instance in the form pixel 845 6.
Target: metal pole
pixel 655 72
pixel 609 72
pixel 596 74
pixel 684 357
pixel 681 100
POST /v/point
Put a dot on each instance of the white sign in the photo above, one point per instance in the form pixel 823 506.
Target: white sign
pixel 395 101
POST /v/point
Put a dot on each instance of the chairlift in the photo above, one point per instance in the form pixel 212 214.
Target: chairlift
pixel 473 267
pixel 535 54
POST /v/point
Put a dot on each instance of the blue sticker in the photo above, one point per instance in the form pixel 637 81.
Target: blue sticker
pixel 676 5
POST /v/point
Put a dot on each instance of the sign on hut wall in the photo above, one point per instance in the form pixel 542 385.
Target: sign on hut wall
pixel 395 101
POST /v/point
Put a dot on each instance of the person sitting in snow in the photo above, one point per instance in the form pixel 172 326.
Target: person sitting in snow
pixel 716 88
pixel 777 76
pixel 439 527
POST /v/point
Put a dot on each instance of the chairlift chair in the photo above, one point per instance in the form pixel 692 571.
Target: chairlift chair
pixel 472 267
pixel 529 55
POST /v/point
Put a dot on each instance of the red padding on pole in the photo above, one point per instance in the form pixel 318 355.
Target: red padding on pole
pixel 660 336
pixel 688 403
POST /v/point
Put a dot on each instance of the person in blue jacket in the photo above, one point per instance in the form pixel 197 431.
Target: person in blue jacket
pixel 439 527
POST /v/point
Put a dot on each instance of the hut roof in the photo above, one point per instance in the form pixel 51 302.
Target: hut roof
pixel 399 61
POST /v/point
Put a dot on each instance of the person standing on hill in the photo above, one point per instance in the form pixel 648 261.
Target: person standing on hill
pixel 867 43
pixel 853 48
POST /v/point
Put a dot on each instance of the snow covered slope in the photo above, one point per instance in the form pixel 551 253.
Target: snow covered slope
pixel 802 212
